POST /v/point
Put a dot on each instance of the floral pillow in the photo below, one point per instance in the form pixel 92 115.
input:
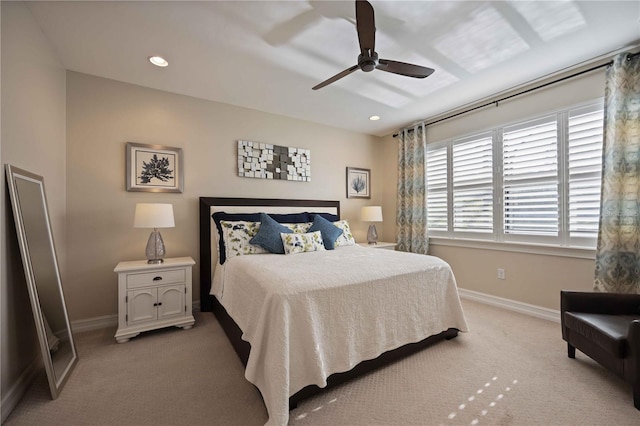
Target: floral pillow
pixel 298 228
pixel 300 243
pixel 346 239
pixel 236 236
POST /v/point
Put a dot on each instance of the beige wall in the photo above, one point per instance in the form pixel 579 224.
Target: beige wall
pixel 32 138
pixel 102 115
pixel 530 278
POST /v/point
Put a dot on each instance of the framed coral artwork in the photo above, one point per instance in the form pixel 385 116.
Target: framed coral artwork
pixel 154 168
pixel 358 183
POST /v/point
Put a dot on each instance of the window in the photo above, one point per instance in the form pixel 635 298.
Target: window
pixel 437 187
pixel 473 184
pixel 585 172
pixel 530 179
pixel 537 181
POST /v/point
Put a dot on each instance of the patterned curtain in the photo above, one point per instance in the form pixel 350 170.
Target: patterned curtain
pixel 411 218
pixel 618 251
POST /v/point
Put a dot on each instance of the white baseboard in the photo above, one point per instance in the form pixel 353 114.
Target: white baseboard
pixel 107 321
pixel 11 398
pixel 511 305
pixel 94 323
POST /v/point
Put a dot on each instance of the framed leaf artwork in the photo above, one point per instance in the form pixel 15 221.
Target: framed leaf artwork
pixel 154 168
pixel 358 183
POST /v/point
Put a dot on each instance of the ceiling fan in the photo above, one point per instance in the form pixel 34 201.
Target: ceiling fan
pixel 368 58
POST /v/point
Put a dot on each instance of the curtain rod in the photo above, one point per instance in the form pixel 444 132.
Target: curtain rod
pixel 606 64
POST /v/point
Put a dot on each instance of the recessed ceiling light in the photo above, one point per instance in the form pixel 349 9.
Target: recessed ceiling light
pixel 158 61
pixel 374 118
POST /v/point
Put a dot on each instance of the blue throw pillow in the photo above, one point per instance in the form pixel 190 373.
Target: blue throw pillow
pixel 268 236
pixel 330 232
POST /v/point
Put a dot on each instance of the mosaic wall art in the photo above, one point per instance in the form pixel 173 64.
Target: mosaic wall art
pixel 267 161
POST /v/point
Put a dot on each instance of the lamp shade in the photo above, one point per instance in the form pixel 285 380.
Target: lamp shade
pixel 152 215
pixel 371 214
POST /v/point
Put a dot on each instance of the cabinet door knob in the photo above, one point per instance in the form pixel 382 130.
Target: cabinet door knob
pixel 157 278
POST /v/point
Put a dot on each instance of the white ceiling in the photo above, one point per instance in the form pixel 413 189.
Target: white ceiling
pixel 267 55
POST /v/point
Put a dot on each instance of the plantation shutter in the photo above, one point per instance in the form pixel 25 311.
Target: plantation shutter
pixel 437 188
pixel 585 169
pixel 534 182
pixel 473 184
pixel 530 178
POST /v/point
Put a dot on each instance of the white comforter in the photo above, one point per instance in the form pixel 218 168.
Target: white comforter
pixel 310 315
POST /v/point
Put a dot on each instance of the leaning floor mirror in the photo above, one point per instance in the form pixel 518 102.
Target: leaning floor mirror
pixel 38 253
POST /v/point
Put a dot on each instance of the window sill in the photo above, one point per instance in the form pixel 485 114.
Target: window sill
pixel 575 252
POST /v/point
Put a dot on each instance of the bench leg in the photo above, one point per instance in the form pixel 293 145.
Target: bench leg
pixel 636 396
pixel 571 351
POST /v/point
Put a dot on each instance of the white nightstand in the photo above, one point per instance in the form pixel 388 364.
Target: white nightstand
pixel 380 245
pixel 152 296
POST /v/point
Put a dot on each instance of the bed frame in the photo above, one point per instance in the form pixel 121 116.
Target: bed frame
pixel 209 303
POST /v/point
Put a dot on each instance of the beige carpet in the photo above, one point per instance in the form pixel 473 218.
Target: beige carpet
pixel 510 369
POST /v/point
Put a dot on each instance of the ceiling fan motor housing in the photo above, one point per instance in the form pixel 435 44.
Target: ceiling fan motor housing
pixel 369 62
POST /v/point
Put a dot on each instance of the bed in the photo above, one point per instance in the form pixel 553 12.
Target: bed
pixel 295 310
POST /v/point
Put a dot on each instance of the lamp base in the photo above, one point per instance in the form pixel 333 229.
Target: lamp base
pixel 372 235
pixel 155 248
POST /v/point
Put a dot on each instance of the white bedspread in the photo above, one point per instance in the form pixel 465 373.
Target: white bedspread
pixel 310 315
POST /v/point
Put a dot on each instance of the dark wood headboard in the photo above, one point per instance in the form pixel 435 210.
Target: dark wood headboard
pixel 206 203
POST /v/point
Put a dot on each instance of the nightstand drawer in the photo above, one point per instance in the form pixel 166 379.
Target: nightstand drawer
pixel 156 278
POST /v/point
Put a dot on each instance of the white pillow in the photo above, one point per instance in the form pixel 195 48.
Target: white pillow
pixel 346 239
pixel 236 236
pixel 301 243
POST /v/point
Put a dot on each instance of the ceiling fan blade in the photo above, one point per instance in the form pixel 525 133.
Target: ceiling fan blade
pixel 366 26
pixel 402 68
pixel 336 77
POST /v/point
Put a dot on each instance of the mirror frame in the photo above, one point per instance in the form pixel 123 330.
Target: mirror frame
pixel 55 383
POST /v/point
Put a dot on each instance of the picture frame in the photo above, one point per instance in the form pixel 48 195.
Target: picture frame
pixel 358 183
pixel 153 168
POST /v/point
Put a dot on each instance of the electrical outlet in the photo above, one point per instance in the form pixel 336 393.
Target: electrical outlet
pixel 501 275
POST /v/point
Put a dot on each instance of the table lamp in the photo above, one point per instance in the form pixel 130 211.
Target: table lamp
pixel 149 215
pixel 371 214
